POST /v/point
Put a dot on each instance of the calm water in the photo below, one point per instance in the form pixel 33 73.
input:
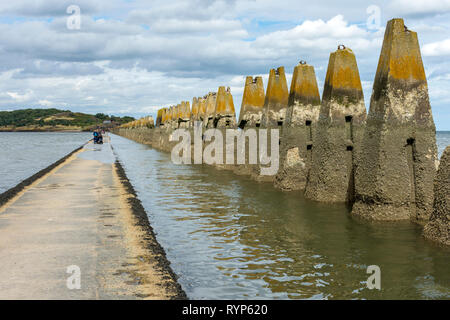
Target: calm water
pixel 231 238
pixel 24 154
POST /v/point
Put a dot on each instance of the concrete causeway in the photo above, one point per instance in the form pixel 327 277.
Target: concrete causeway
pixel 79 214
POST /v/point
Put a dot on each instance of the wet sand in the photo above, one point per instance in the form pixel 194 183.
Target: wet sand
pixel 83 212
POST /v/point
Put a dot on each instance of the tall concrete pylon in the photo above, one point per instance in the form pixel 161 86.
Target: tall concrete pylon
pixel 276 99
pixel 149 122
pixel 159 117
pixel 252 103
pixel 210 110
pixel 337 146
pixel 201 108
pixel 176 116
pixel 438 228
pixel 299 129
pixel 195 111
pixel 164 116
pixel 170 117
pixel 395 178
pixel 224 113
pixel 184 114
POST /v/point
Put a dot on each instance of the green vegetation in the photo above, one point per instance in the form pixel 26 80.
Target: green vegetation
pixel 54 118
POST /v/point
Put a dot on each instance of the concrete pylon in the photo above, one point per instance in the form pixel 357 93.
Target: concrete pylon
pixel 194 112
pixel 201 108
pixel 276 99
pixel 184 114
pixel 208 121
pixel 176 116
pixel 224 114
pixel 438 228
pixel 252 103
pixel 337 145
pixel 395 178
pixel 299 129
pixel 159 117
pixel 163 117
pixel 170 115
pixel 150 122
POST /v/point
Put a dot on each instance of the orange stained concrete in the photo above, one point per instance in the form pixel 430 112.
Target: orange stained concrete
pixel 400 55
pixel 253 93
pixel 201 107
pixel 343 71
pixel 185 111
pixel 224 102
pixel 277 90
pixel 210 105
pixel 195 107
pixel 304 82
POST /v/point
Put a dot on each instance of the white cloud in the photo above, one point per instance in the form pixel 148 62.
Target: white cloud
pixel 46 103
pixel 419 7
pixel 20 97
pixel 131 56
pixel 439 48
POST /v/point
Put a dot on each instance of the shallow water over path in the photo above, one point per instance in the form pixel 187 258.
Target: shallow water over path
pixel 229 237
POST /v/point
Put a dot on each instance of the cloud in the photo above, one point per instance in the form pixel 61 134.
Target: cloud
pixel 45 8
pixel 419 8
pixel 132 56
pixel 435 49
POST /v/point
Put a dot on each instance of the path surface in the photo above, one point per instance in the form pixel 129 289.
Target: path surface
pixel 78 215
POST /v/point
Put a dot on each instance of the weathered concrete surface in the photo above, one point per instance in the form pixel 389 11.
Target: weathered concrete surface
pixel 337 145
pixel 210 109
pixel 252 105
pixel 298 130
pixel 438 228
pixel 276 100
pixel 274 113
pixel 168 122
pixel 176 116
pixel 164 117
pixel 159 117
pixel 184 115
pixel 395 178
pixel 79 214
pixel 201 108
pixel 195 112
pixel 224 113
pixel 148 122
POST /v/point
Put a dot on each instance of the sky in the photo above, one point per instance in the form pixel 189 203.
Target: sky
pixel 128 57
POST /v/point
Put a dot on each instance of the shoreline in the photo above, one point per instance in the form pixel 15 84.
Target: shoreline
pixel 154 248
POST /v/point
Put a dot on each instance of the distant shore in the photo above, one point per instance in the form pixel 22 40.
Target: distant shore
pixel 42 129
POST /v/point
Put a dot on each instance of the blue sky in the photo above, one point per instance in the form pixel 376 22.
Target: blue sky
pixel 133 57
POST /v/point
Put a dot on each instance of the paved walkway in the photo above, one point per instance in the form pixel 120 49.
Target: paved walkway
pixel 77 215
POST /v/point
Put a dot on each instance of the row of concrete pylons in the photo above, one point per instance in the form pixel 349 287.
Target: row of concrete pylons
pixel 382 163
pixel 144 122
pixel 214 110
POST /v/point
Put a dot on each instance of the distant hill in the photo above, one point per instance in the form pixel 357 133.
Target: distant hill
pixel 55 120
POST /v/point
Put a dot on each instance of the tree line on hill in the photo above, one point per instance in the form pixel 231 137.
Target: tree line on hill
pixel 56 117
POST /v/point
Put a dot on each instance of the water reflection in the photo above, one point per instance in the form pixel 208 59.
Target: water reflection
pixel 228 238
